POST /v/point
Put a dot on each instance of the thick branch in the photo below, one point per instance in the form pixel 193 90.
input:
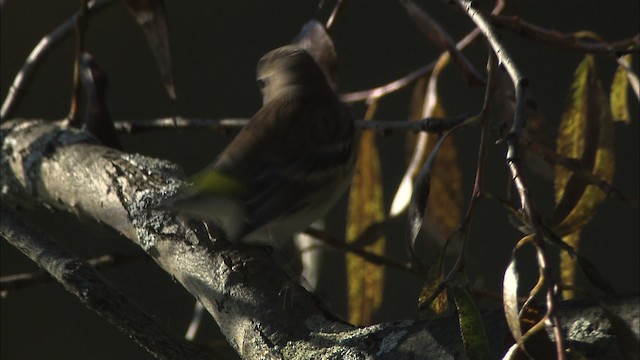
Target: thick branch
pixel 262 312
pixel 93 291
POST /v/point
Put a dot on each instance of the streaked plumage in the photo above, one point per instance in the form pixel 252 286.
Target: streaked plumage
pixel 288 165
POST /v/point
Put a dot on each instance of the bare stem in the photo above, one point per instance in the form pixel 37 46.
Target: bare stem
pixel 14 282
pixel 39 54
pixel 430 124
pixel 571 41
pixel 334 13
pixel 81 27
pixel 513 158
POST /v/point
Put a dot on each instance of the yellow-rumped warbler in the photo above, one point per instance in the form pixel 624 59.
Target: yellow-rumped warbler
pixel 288 165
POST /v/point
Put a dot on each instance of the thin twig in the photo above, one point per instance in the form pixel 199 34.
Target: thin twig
pixel 19 281
pixel 564 41
pixel 334 13
pixel 416 74
pixel 39 54
pixel 482 156
pixel 81 27
pixel 395 85
pixel 359 251
pixel 431 124
pixel 172 123
pixel 436 34
pixel 513 159
pixel 570 164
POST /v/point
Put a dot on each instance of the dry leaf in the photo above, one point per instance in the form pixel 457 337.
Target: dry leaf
pixel 365 280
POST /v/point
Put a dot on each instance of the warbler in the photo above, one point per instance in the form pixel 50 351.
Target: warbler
pixel 288 166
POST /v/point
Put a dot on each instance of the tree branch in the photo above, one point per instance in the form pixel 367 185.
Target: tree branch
pixel 564 41
pixel 513 159
pixel 14 282
pixel 261 311
pixel 434 125
pixel 94 292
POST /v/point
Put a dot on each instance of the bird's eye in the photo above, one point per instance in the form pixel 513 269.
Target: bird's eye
pixel 261 83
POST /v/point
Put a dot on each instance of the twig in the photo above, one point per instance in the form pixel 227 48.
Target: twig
pixel 334 13
pixel 368 256
pixel 432 125
pixel 435 33
pixel 416 74
pixel 482 155
pixel 172 123
pixel 383 90
pixel 37 56
pixel 513 159
pixel 94 292
pixel 15 282
pixel 562 40
pixel 435 124
pixel 81 27
pixel 570 164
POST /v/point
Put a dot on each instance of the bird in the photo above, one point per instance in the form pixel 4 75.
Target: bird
pixel 287 166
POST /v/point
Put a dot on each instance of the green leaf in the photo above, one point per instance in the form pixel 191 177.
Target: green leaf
pixel 474 337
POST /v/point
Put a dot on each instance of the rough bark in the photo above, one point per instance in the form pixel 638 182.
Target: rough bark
pixel 262 312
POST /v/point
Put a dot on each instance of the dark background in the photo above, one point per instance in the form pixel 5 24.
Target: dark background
pixel 215 46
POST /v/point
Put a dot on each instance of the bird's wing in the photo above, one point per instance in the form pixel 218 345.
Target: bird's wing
pixel 286 174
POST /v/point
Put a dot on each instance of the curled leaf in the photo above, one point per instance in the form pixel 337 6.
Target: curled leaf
pixel 151 15
pixel 585 134
pixel 436 34
pixel 526 323
pixel 433 299
pixel 618 95
pixel 97 118
pixel 444 208
pixel 474 337
pixel 417 149
pixel 420 195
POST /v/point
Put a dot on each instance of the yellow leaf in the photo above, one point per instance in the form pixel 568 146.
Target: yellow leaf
pixel 585 134
pixel 428 305
pixel 365 280
pixel 568 265
pixel 445 199
pixel 425 103
pixel 618 94
pixel 416 150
